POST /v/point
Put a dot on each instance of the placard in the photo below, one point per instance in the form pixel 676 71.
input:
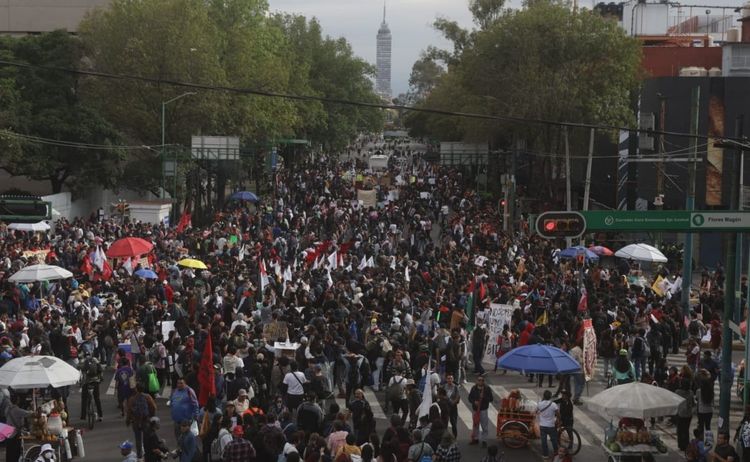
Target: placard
pixel 589 350
pixel 496 317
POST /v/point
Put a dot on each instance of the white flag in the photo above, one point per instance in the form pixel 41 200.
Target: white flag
pixel 333 260
pixel 263 276
pixel 99 258
pixel 406 274
pixel 362 264
pixel 348 269
pixel 277 270
pixel 371 262
pixel 288 274
pixel 393 263
pixel 316 264
pixel 128 266
pixel 241 254
pixel 424 408
pixel 330 280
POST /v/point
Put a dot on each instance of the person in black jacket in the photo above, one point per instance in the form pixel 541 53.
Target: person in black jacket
pixel 480 398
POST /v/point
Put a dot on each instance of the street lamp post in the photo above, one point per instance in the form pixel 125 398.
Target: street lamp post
pixel 163 146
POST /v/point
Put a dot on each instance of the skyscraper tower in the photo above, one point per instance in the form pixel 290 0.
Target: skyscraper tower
pixel 383 61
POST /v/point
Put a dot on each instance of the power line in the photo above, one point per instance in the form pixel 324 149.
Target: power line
pixel 270 94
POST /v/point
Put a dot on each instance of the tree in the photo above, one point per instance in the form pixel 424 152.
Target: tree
pixel 545 61
pixel 48 105
pixel 486 12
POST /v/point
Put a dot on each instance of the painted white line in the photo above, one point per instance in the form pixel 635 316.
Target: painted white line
pixel 370 397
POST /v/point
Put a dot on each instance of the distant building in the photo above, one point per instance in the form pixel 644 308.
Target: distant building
pixel 383 61
pixel 37 16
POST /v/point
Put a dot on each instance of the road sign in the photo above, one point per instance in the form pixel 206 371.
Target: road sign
pixel 552 225
pixel 666 220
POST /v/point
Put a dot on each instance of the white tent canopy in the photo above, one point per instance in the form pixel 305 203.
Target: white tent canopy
pixel 636 400
pixel 641 252
pixel 36 273
pixel 38 372
pixel 30 227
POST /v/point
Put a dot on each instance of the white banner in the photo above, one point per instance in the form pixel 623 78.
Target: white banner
pixel 496 317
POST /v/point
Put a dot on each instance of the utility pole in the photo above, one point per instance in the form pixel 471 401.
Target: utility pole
pixel 659 201
pixel 510 202
pixel 589 161
pixel 568 193
pixel 687 261
pixel 729 290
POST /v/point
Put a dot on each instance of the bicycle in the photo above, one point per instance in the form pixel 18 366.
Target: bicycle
pixel 91 414
pixel 569 438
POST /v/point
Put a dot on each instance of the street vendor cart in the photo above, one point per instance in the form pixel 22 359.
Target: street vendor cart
pixel 634 404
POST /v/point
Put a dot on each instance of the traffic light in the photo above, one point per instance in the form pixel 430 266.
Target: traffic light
pixel 552 225
pixel 23 209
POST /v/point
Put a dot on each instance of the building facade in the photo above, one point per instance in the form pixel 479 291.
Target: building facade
pixel 383 60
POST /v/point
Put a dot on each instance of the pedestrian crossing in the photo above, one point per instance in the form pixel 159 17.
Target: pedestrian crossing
pixel 590 425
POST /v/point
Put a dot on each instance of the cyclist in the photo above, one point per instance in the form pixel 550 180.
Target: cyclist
pixel 565 405
pixel 91 376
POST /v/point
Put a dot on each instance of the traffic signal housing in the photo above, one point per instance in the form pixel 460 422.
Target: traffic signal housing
pixel 551 225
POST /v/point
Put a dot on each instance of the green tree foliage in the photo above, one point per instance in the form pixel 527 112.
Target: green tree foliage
pixel 40 103
pixel 332 71
pixel 545 61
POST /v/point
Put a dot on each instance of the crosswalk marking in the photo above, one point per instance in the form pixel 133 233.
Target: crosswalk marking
pixel 370 397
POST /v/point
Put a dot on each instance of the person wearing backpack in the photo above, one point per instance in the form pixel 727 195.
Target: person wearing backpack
pixel 419 451
pixel 696 450
pixel 140 408
pixel 91 376
pixel 221 441
pixel 396 397
pixel 639 353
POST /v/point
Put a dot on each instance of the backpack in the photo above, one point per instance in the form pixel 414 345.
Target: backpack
pixel 394 391
pixel 92 369
pixel 692 453
pixel 216 446
pixel 141 412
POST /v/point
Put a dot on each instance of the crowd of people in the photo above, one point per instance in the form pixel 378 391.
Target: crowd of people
pixel 310 295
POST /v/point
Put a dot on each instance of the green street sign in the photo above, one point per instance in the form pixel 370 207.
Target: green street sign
pixel 666 220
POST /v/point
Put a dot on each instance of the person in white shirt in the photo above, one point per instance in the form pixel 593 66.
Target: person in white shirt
pixel 295 390
pixel 242 403
pixel 547 411
pixel 231 361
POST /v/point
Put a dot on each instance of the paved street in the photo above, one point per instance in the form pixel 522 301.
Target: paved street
pixel 102 442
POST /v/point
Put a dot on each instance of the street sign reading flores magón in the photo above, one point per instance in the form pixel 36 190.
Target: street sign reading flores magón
pixel 666 220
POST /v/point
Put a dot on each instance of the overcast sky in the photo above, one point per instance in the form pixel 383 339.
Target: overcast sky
pixel 358 21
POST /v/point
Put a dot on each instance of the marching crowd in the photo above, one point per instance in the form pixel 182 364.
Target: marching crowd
pixel 312 294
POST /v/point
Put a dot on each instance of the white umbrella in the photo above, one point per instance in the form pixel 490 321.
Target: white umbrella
pixel 636 400
pixel 641 252
pixel 31 227
pixel 38 372
pixel 35 273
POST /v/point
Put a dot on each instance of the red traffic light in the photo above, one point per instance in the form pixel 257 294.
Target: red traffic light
pixel 552 225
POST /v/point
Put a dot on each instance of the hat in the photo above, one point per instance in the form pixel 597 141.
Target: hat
pixel 238 430
pixel 124 445
pixel 242 392
pixel 260 357
pixel 48 447
pixel 303 339
pixel 623 352
pixel 155 420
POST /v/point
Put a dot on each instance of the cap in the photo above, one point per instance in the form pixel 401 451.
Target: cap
pixel 155 420
pixel 124 445
pixel 48 447
pixel 623 352
pixel 238 430
pixel 242 392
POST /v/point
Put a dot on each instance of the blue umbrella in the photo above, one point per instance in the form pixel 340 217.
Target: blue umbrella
pixel 244 196
pixel 539 359
pixel 573 252
pixel 146 274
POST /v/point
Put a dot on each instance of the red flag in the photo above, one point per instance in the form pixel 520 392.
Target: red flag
pixel 106 270
pixel 206 381
pixel 86 266
pixel 583 303
pixel 184 221
pixel 482 291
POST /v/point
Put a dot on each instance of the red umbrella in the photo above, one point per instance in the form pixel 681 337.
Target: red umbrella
pixel 129 247
pixel 601 250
